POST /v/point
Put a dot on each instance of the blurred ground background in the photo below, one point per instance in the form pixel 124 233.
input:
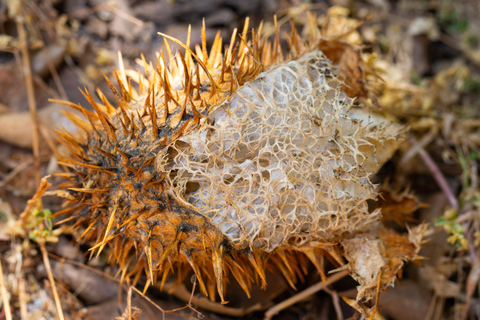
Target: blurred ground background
pixel 427 54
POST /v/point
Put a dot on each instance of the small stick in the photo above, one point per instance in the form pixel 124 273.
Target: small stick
pixel 22 298
pixel 46 261
pixel 436 173
pixel 27 73
pixel 443 184
pixel 129 303
pixel 3 290
pixel 304 294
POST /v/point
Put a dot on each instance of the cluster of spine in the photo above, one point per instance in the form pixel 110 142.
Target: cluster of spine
pixel 118 193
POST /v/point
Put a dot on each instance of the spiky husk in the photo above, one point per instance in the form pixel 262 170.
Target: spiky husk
pixel 124 190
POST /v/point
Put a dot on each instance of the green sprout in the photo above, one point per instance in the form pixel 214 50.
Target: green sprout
pixel 456 230
pixel 42 225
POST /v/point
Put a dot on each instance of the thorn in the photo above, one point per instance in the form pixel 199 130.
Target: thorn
pixel 124 127
pixel 204 44
pixel 165 113
pixel 86 190
pixel 197 274
pixel 133 217
pixel 153 119
pixel 171 245
pixel 198 82
pixel 87 165
pixel 123 154
pixel 165 275
pixel 106 154
pixel 216 50
pixel 179 132
pixel 235 56
pixel 240 276
pixel 169 50
pixel 109 226
pixel 72 144
pixel 253 258
pixel 141 121
pixel 284 258
pixel 88 228
pixel 287 275
pixel 130 90
pixel 148 252
pixel 218 265
pixel 167 87
pixel 293 40
pixel 233 79
pixel 196 115
pixel 103 98
pixel 213 84
pixel 133 127
pixel 187 85
pixel 244 34
pixel 316 256
pixel 125 94
pixel 240 70
pixel 231 46
pixel 188 56
pixel 145 65
pixel 276 42
pixel 107 125
pixel 222 79
pixel 122 69
pixel 88 114
pixel 121 103
pixel 146 163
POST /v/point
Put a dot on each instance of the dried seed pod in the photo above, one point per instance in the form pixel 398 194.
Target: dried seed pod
pixel 226 162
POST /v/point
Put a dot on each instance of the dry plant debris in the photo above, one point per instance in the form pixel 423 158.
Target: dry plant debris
pixel 194 167
pixel 235 163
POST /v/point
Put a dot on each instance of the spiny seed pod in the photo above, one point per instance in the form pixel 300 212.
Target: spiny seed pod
pixel 226 163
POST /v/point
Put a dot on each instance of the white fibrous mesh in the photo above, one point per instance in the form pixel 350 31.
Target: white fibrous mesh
pixel 285 161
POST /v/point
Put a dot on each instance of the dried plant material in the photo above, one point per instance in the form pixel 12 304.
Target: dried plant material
pixel 8 224
pixel 228 162
pixel 42 188
pixel 352 67
pixel 397 206
pixel 340 42
pixel 380 253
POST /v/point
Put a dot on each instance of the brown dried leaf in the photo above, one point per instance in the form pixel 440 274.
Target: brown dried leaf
pixel 397 206
pixel 352 67
pixel 382 252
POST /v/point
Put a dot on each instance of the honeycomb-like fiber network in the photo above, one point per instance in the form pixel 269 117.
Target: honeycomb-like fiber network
pixel 283 162
pixel 225 162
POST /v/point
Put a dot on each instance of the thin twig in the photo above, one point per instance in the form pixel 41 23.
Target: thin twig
pixel 304 294
pixel 3 290
pixel 129 303
pixel 336 303
pixel 27 73
pixel 148 299
pixel 443 184
pixel 22 298
pixel 436 173
pixel 46 261
pixel 22 166
pixel 85 12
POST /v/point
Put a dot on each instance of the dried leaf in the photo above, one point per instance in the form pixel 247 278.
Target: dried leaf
pixel 380 252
